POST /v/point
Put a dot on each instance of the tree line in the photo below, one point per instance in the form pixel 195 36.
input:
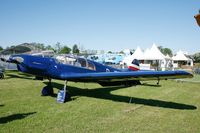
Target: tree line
pixel 64 49
pixel 57 48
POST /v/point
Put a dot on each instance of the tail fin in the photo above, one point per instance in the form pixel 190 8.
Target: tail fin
pixel 134 66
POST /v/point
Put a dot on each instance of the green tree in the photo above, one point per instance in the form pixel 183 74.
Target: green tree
pixel 12 46
pixel 75 49
pixel 65 50
pixel 121 52
pixel 109 52
pixel 196 57
pixel 160 48
pixel 132 51
pixel 39 45
pixel 1 48
pixel 165 51
pixel 49 47
pixel 58 47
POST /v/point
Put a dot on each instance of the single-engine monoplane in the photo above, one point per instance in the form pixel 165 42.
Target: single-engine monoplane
pixel 74 68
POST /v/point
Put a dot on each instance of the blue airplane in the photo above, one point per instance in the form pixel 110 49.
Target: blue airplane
pixel 73 68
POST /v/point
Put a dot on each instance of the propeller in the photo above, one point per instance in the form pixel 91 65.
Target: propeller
pixel 16 60
pixel 3 59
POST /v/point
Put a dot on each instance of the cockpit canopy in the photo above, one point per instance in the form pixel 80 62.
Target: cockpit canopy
pixel 75 61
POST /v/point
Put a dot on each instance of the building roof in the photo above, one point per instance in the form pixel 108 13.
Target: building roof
pixel 15 50
pixel 22 48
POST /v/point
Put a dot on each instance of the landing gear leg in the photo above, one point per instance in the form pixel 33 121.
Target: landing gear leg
pixel 63 95
pixel 158 81
pixel 1 76
pixel 47 90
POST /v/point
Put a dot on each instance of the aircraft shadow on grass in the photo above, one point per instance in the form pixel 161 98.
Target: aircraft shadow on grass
pixel 105 93
pixel 21 76
pixel 150 85
pixel 13 117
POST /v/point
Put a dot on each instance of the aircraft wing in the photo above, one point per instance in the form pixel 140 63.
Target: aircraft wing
pixel 124 76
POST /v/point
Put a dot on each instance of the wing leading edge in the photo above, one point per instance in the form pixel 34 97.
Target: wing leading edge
pixel 124 76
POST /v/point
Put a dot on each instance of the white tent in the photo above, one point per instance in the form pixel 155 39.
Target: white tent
pixel 166 64
pixel 153 54
pixel 180 56
pixel 138 54
pixel 127 51
pixel 168 57
pixel 149 54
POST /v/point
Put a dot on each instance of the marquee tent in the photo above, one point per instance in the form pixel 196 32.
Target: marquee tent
pixel 180 56
pixel 153 54
pixel 138 54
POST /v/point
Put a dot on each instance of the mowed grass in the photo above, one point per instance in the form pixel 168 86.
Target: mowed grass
pixel 171 107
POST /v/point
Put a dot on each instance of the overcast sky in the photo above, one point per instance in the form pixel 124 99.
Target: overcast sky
pixel 101 24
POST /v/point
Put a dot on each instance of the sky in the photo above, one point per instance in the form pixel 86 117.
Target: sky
pixel 101 24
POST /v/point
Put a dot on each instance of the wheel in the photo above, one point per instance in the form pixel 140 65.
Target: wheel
pixel 47 91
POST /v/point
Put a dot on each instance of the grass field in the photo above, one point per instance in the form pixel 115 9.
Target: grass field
pixel 172 107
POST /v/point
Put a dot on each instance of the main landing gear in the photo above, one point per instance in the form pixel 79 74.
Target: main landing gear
pixel 1 75
pixel 158 81
pixel 63 95
pixel 47 90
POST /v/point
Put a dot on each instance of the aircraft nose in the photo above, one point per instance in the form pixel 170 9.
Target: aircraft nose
pixel 17 59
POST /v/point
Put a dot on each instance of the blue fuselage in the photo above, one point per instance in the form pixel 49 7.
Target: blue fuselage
pixel 52 69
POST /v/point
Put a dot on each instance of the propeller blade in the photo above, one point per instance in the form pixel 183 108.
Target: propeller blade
pixel 16 60
pixel 3 59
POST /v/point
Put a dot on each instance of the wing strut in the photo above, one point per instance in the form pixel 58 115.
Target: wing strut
pixel 65 87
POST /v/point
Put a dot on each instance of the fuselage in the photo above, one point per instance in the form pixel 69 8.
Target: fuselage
pixel 82 70
pixel 51 67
